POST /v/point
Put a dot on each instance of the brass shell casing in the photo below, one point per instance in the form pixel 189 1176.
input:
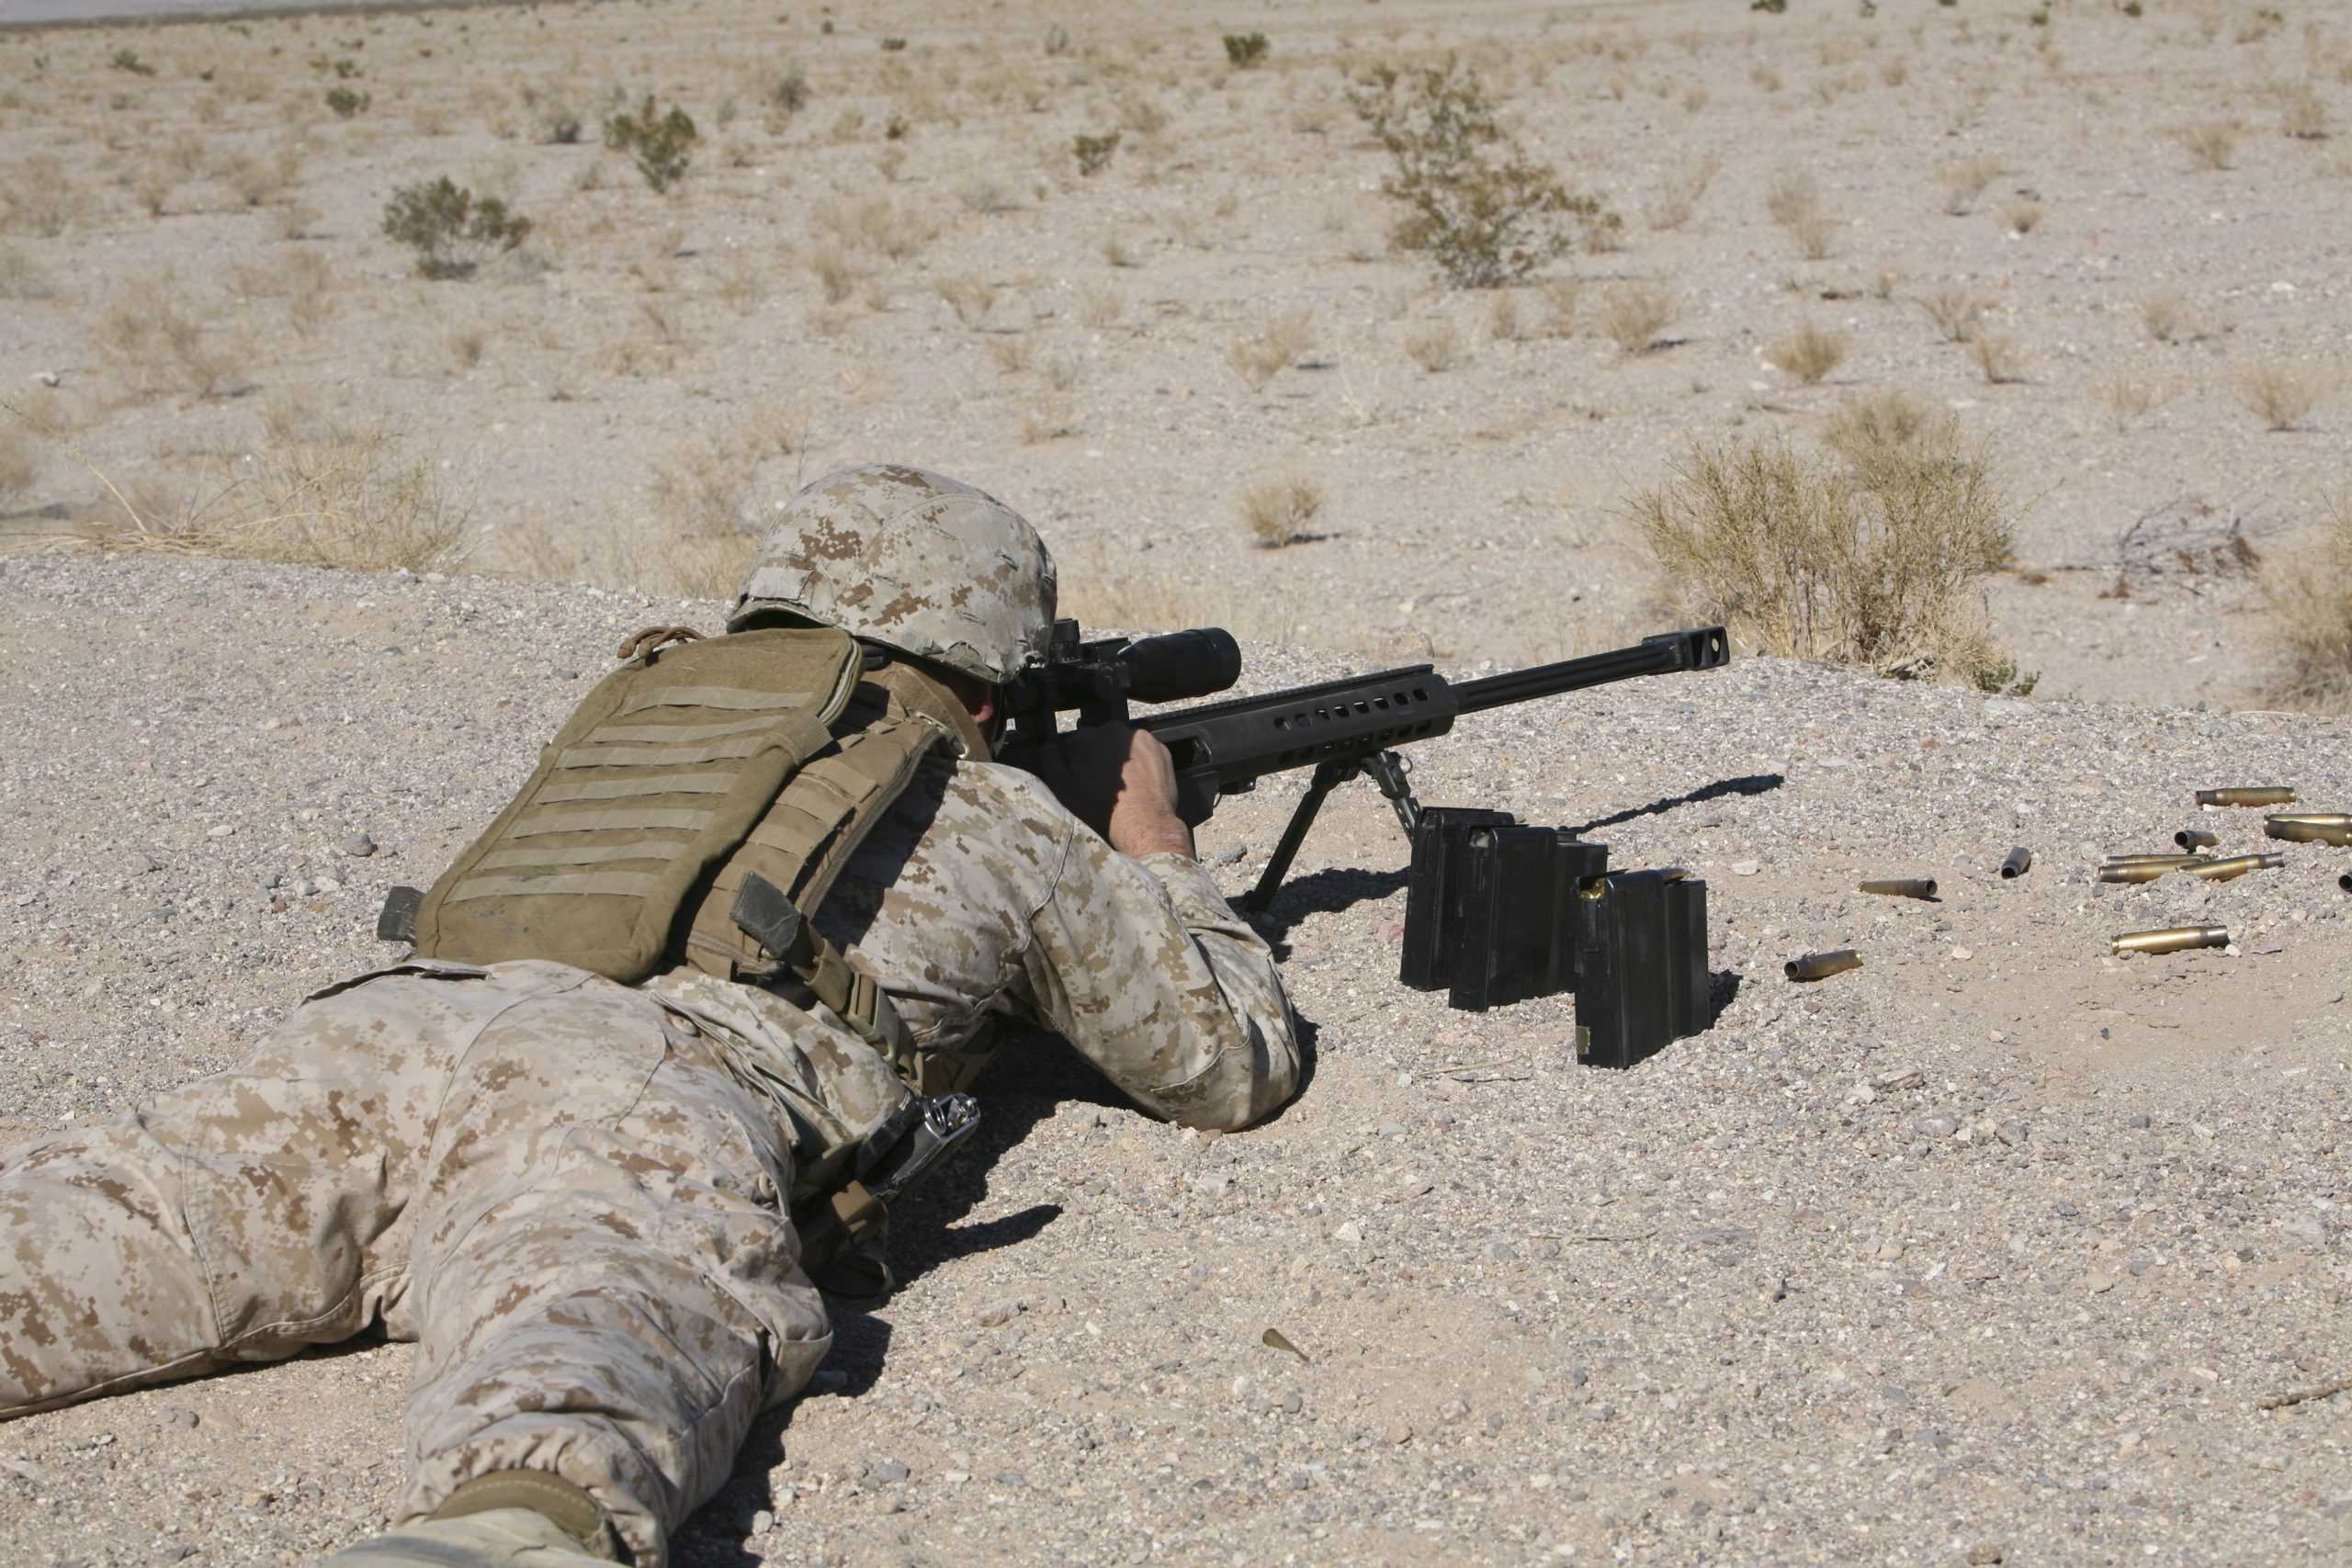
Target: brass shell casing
pixel 2177 938
pixel 1902 887
pixel 2316 827
pixel 2017 862
pixel 1821 966
pixel 2191 859
pixel 2139 871
pixel 2196 838
pixel 2236 867
pixel 2266 795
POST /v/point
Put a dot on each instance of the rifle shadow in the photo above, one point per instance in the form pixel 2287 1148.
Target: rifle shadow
pixel 1749 783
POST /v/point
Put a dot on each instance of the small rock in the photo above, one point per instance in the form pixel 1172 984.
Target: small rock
pixel 762 1522
pixel 1293 1404
pixel 1986 1553
pixel 1938 1126
pixel 358 846
pixel 2099 1283
pixel 890 1469
pixel 219 830
pixel 1745 867
pixel 1902 1077
pixel 184 1419
pixel 1348 1234
pixel 2139 1123
pixel 1000 1311
pixel 329 885
pixel 140 866
pixel 1398 1434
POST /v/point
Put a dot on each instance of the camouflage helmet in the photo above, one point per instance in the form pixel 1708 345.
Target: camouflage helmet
pixel 911 559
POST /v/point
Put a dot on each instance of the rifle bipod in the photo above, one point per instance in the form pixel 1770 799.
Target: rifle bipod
pixel 1389 770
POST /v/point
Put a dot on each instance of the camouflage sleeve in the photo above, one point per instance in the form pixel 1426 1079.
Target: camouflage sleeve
pixel 1147 970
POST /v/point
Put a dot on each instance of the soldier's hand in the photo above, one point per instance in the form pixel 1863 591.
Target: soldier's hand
pixel 1119 781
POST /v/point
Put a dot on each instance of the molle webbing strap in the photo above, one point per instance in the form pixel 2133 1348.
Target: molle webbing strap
pixel 652 784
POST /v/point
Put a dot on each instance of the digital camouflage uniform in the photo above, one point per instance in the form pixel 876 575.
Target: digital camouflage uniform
pixel 573 1194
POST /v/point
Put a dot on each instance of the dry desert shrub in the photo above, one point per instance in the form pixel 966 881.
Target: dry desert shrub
pixel 37 198
pixel 351 501
pixel 2165 316
pixel 2310 597
pixel 969 298
pixel 1266 354
pixel 1278 512
pixel 1955 312
pixel 1011 356
pixel 153 343
pixel 1560 299
pixel 2022 217
pixel 1878 422
pixel 2127 401
pixel 1681 189
pixel 1875 563
pixel 1504 323
pixel 1997 357
pixel 1964 181
pixel 2212 142
pixel 834 273
pixel 22 277
pixel 2303 113
pixel 1435 346
pixel 1484 211
pixel 1811 353
pixel 1101 307
pixel 19 462
pixel 2283 396
pixel 1794 202
pixel 878 224
pixel 1634 315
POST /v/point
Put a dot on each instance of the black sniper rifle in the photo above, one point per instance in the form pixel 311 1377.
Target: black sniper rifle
pixel 1341 729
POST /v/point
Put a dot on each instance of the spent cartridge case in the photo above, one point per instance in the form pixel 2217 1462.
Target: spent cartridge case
pixel 1903 887
pixel 2196 838
pixel 2266 794
pixel 2142 870
pixel 2019 860
pixel 2177 938
pixel 2155 860
pixel 2345 881
pixel 1821 966
pixel 2312 828
pixel 2236 867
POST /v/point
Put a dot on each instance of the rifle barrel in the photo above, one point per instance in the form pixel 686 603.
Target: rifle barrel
pixel 1701 649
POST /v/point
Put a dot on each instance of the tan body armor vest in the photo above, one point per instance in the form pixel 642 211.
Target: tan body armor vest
pixel 685 773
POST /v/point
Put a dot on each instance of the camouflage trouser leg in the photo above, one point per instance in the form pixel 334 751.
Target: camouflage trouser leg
pixel 558 1189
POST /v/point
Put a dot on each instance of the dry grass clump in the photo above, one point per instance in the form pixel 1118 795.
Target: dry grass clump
pixel 2283 396
pixel 1435 346
pixel 834 272
pixel 878 224
pixel 2165 316
pixel 1101 307
pixel 1998 357
pixel 1278 512
pixel 22 277
pixel 1964 181
pixel 1885 421
pixel 2303 113
pixel 2212 143
pixel 37 198
pixel 1561 296
pixel 1794 202
pixel 1262 355
pixel 1680 191
pixel 2022 217
pixel 1874 561
pixel 969 298
pixel 1811 353
pixel 1633 315
pixel 146 337
pixel 2127 401
pixel 19 462
pixel 1955 311
pixel 2310 596
pixel 350 502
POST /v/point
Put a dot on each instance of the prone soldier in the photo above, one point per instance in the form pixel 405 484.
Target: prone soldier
pixel 736 947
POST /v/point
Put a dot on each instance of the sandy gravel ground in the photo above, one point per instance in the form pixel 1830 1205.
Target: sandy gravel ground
pixel 1994 1245
pixel 2129 288
pixel 1989 1251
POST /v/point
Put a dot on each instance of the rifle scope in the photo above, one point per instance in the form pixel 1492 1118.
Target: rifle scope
pixel 1179 666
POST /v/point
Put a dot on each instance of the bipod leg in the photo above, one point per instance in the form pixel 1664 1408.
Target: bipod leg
pixel 1328 776
pixel 1392 772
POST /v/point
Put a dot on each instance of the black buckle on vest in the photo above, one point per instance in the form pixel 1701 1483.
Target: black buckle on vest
pixel 396 921
pixel 775 921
